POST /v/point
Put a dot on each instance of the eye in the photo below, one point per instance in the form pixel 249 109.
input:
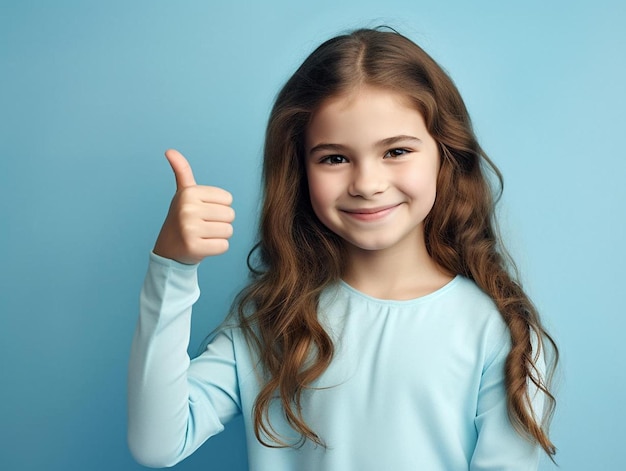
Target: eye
pixel 333 159
pixel 392 153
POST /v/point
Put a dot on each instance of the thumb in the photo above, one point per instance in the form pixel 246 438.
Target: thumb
pixel 182 169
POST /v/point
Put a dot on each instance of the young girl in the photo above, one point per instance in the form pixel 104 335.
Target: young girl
pixel 381 329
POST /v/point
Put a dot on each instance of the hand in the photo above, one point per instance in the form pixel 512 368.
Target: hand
pixel 198 223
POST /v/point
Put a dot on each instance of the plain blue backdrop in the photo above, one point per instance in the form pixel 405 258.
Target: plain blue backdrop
pixel 91 95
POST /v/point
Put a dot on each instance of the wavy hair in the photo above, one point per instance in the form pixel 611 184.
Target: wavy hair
pixel 297 257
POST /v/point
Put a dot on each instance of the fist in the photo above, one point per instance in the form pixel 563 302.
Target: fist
pixel 198 223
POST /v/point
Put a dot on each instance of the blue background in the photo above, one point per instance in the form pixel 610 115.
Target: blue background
pixel 91 95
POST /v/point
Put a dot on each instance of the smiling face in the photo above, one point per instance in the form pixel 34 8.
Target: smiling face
pixel 372 169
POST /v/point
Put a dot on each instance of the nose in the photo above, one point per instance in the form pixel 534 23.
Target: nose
pixel 367 180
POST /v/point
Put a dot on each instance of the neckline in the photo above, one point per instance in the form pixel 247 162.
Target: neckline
pixel 402 302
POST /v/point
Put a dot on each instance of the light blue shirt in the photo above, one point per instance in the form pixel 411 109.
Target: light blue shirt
pixel 413 385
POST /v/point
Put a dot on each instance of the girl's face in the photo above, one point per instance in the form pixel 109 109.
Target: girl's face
pixel 372 169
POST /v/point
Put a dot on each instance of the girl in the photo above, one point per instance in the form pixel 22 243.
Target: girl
pixel 381 328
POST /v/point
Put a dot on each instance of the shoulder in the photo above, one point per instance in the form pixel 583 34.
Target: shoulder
pixel 466 292
pixel 464 302
pixel 468 295
pixel 476 313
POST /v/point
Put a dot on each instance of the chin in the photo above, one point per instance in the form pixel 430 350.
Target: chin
pixel 370 246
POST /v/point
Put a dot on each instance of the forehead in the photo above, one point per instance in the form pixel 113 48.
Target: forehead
pixel 366 113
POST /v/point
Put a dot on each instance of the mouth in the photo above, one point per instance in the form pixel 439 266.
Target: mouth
pixel 369 214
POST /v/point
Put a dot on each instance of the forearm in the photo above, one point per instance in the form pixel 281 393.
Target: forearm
pixel 158 391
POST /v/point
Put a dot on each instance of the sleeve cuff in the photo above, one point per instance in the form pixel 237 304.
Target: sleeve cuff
pixel 169 263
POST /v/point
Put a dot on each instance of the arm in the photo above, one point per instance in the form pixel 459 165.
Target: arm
pixel 173 409
pixel 499 446
pixel 171 412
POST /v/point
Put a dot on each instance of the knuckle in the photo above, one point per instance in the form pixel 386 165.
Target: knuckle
pixel 222 245
pixel 186 211
pixel 217 246
pixel 221 195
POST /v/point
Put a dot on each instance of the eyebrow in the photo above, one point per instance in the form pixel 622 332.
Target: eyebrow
pixel 388 141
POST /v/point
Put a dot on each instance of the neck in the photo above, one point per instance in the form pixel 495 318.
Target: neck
pixel 397 273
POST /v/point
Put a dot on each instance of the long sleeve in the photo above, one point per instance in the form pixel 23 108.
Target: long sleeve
pixel 499 446
pixel 171 410
pixel 429 369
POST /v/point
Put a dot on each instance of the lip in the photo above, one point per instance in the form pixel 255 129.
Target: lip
pixel 370 214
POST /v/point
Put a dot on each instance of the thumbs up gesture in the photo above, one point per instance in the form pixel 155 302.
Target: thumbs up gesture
pixel 198 223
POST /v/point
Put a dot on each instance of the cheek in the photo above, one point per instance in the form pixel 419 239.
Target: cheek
pixel 318 192
pixel 421 183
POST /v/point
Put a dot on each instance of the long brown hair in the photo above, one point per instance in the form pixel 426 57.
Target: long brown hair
pixel 297 256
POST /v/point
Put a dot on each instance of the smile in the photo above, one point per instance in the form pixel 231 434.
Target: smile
pixel 370 214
